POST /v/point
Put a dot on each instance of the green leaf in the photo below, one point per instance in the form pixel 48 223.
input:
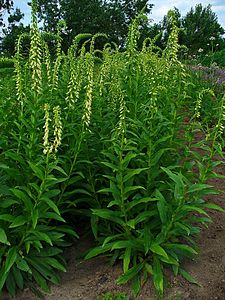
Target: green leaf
pixel 170 260
pixel 214 206
pixel 199 187
pixel 22 265
pixel 51 193
pixel 54 263
pixel 132 173
pixel 162 207
pixel 129 156
pixel 51 204
pixel 78 191
pixel 24 197
pixel 181 247
pixel 94 225
pixel 11 284
pixel 4 190
pixel 18 277
pixel 10 259
pixel 15 156
pixel 4 167
pixel 3 277
pixel 179 184
pixel 126 259
pixel 18 221
pixel 158 250
pixel 53 216
pixel 115 190
pixel 105 191
pixel 42 237
pixel 40 280
pixel 131 273
pixel 195 208
pixel 129 189
pixel 110 238
pixel 155 159
pixel 109 215
pixel 182 227
pixel 44 269
pixel 3 237
pixel 6 217
pixel 175 269
pixel 158 276
pixel 172 176
pixel 141 217
pixel 139 201
pixel 98 250
pixel 136 285
pixel 188 276
pixel 131 223
pixel 68 231
pixel 111 166
pixel 34 218
pixel 7 203
pixel 50 251
pixel 125 244
pixel 148 268
pixel 148 238
pixel 114 202
pixel 37 171
pixel 60 170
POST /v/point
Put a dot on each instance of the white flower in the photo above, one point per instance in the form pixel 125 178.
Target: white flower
pixel 200 50
pixel 212 38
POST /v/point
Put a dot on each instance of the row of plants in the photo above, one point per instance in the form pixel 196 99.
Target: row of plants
pixel 101 136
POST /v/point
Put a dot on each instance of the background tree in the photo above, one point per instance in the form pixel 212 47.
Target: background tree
pixel 91 16
pixel 12 31
pixel 49 13
pixel 5 5
pixel 130 9
pixel 200 25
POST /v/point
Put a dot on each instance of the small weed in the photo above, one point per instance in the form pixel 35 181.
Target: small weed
pixel 113 296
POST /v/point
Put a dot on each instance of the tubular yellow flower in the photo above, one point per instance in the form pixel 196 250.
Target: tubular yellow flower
pixel 122 114
pixel 18 70
pixel 47 59
pixel 46 129
pixel 89 91
pixel 35 54
pixel 55 77
pixel 57 128
pixel 52 147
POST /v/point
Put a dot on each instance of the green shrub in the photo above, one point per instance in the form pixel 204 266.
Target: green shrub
pixel 6 62
pixel 217 57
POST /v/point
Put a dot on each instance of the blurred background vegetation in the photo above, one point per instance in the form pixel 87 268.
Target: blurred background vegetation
pixel 201 36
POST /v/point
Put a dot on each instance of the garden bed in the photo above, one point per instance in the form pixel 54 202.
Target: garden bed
pixel 107 144
pixel 87 279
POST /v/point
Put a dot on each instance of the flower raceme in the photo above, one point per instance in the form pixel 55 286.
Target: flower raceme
pixel 52 147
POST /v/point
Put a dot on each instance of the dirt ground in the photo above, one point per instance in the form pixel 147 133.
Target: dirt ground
pixel 85 280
